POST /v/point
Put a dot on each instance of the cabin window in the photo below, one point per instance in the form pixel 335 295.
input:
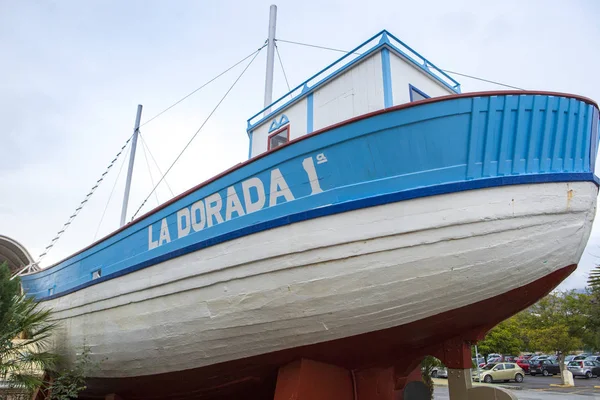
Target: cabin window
pixel 97 273
pixel 280 137
pixel 416 94
pixel 51 291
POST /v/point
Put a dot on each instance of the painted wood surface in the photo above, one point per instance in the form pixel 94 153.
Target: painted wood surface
pixel 455 144
pixel 328 278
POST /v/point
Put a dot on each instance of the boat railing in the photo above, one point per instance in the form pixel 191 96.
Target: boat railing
pixel 362 51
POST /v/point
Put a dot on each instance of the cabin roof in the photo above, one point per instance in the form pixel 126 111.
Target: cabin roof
pixel 376 43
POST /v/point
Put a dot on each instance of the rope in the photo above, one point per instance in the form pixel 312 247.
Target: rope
pixel 202 86
pixel 109 197
pixel 197 131
pixel 317 47
pixel 445 70
pixel 82 204
pixel 283 69
pixel 150 173
pixel 155 163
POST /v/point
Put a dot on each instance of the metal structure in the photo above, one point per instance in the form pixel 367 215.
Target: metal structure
pixel 136 130
pixel 14 254
pixel 270 57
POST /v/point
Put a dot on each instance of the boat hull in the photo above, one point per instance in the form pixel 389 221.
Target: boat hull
pixel 329 278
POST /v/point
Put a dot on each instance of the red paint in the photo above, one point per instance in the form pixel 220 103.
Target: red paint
pixel 400 347
pixel 277 132
pixel 312 380
pixel 321 131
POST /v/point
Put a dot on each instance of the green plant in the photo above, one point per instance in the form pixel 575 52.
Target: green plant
pixel 67 383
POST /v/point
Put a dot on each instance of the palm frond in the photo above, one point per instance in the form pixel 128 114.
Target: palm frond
pixel 594 278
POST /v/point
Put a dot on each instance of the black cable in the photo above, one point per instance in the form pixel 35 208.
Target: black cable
pixel 155 163
pixel 197 131
pixel 205 84
pixel 445 70
pixel 283 69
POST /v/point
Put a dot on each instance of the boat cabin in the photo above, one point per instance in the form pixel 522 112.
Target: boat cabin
pixel 380 73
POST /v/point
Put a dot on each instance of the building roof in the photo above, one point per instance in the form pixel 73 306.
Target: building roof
pixel 13 253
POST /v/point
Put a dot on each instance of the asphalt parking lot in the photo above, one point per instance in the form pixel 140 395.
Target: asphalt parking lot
pixel 538 387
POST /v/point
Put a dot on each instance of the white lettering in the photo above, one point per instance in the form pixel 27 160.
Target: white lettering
pixel 183 222
pixel 260 191
pixel 213 208
pixel 279 188
pixel 165 236
pixel 151 244
pixel 198 217
pixel 233 204
pixel 309 166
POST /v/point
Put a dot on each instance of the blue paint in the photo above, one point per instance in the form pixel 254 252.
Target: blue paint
pixel 429 149
pixel 278 124
pixel 310 108
pixel 250 135
pixel 412 89
pixel 386 68
pixel 365 51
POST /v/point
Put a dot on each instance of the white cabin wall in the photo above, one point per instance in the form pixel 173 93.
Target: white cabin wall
pixel 296 114
pixel 404 73
pixel 355 92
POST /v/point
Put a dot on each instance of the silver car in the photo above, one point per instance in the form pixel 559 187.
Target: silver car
pixel 584 368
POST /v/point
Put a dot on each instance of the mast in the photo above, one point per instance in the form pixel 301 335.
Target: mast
pixel 270 58
pixel 136 130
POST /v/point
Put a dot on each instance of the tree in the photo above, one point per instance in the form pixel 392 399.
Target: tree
pixel 504 338
pixel 559 323
pixel 8 290
pixel 24 337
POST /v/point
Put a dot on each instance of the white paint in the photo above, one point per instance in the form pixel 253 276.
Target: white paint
pixel 183 222
pixel 256 184
pixel 152 244
pixel 214 203
pixel 354 92
pixel 309 166
pixel 404 73
pixel 279 188
pixel 198 216
pixel 297 116
pixel 165 235
pixel 328 278
pixel 234 205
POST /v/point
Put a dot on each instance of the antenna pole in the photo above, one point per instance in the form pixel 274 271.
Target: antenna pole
pixel 270 58
pixel 136 130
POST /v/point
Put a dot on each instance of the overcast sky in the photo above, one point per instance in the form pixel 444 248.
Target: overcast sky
pixel 74 71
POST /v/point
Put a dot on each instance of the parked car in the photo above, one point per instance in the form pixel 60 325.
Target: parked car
pixel 584 368
pixel 500 372
pixel 509 358
pixel 523 364
pixel 544 367
pixel 479 361
pixel 592 358
pixel 439 372
pixel 493 356
pixel 536 359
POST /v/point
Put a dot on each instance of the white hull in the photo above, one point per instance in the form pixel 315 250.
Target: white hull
pixel 328 278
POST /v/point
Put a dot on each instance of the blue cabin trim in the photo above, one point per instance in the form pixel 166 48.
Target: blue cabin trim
pixel 387 40
pixel 250 135
pixel 310 109
pixel 436 146
pixel 412 88
pixel 386 70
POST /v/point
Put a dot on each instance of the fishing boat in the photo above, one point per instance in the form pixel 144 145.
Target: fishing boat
pixel 382 216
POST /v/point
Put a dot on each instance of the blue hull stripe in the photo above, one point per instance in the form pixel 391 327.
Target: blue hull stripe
pixel 341 208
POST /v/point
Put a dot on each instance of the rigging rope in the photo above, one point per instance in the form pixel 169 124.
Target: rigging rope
pixel 197 131
pixel 47 249
pixel 150 172
pixel 202 86
pixel 445 70
pixel 283 69
pixel 110 197
pixel 81 205
pixel 156 164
